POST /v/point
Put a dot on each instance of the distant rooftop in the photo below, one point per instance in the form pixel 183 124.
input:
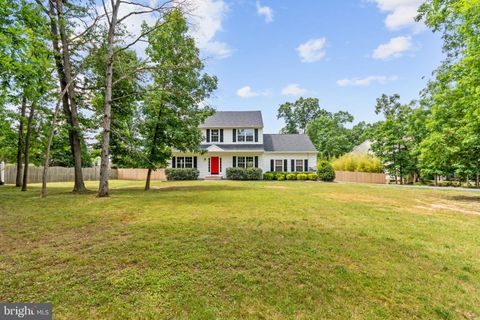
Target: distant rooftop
pixel 234 119
pixel 288 143
pixel 363 148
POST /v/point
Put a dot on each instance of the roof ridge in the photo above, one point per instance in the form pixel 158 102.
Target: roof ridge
pixel 287 134
pixel 238 111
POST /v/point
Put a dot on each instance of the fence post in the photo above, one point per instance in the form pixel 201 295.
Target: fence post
pixel 2 173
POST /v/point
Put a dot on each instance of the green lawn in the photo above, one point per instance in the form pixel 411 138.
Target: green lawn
pixel 236 250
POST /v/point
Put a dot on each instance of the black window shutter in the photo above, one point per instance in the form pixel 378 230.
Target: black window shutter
pixel 208 135
pixel 285 165
pixel 271 165
pixel 292 167
pixel 221 135
pixel 256 161
pixel 256 135
pixel 195 162
pixel 173 162
pixel 306 165
pixel 234 135
pixel 234 162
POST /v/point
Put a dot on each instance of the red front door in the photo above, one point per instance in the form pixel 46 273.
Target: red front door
pixel 214 165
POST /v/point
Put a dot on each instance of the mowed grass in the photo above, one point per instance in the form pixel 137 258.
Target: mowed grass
pixel 243 250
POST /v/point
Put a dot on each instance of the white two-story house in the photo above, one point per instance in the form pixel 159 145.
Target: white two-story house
pixel 236 139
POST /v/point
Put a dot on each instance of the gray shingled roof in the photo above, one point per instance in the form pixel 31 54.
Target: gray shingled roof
pixel 234 147
pixel 234 119
pixel 288 143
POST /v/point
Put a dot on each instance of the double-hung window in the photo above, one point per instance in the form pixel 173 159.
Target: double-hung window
pixel 279 165
pixel 245 135
pixel 298 165
pixel 215 135
pixel 184 162
pixel 245 162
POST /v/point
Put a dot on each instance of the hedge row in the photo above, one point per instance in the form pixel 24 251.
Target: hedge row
pixel 182 174
pixel 290 176
pixel 244 174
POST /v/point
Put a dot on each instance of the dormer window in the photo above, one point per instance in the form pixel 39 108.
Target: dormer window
pixel 215 135
pixel 245 135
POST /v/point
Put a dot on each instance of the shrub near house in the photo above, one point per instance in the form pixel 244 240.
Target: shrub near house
pixel 182 174
pixel 325 171
pixel 280 176
pixel 244 173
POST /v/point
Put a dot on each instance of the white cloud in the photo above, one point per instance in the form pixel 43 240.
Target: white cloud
pixel 293 90
pixel 312 50
pixel 207 17
pixel 265 11
pixel 395 48
pixel 401 14
pixel 246 92
pixel 365 81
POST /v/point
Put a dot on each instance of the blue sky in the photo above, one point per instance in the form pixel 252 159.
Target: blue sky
pixel 345 53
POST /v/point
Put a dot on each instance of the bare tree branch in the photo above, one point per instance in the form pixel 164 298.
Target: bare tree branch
pixel 149 9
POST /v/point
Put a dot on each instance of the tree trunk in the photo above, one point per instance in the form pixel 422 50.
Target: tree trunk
pixel 49 145
pixel 154 143
pixel 477 176
pixel 62 61
pixel 27 146
pixel 18 178
pixel 147 182
pixel 436 180
pixel 105 157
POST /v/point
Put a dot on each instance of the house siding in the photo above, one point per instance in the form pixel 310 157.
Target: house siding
pixel 264 159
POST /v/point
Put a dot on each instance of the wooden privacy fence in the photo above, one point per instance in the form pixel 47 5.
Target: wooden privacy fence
pixel 360 177
pixel 56 174
pixel 140 174
pixel 62 174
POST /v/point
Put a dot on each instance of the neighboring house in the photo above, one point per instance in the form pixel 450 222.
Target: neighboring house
pixel 363 148
pixel 236 139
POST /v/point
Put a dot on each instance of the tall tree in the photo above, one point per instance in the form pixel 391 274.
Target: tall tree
pixel 297 115
pixel 26 70
pixel 392 144
pixel 175 105
pixel 126 96
pixel 453 142
pixel 20 148
pixel 64 18
pixel 330 136
pixel 114 23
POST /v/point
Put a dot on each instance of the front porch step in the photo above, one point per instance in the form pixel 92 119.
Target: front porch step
pixel 213 178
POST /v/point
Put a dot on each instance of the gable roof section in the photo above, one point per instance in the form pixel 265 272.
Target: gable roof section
pixel 232 147
pixel 288 143
pixel 234 119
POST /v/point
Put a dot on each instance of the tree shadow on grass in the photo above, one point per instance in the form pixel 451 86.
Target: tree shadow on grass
pixel 182 188
pixel 465 198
